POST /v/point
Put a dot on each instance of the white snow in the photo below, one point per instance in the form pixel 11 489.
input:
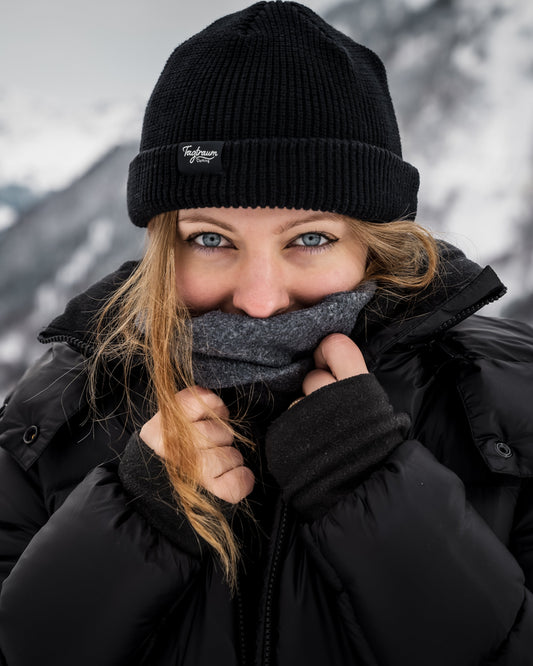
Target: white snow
pixel 99 239
pixel 12 346
pixel 45 145
pixel 416 4
pixel 51 296
pixel 486 164
pixel 8 216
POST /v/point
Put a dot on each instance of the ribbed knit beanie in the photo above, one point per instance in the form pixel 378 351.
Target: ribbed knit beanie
pixel 273 107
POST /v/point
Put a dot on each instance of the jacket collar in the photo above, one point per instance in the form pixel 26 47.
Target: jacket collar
pixel 76 324
pixel 462 288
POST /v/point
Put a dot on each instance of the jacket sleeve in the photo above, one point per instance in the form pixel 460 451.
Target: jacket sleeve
pixel 415 567
pixel 93 582
pixel 87 583
pixel 86 578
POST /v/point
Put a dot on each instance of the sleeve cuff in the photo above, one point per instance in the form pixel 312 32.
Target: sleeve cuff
pixel 144 478
pixel 326 444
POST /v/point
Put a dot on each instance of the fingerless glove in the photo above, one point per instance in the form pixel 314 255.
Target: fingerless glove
pixel 324 446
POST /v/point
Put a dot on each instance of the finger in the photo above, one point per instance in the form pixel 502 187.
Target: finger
pixel 340 356
pixel 199 403
pixel 151 435
pixel 213 433
pixel 218 460
pixel 233 486
pixel 317 379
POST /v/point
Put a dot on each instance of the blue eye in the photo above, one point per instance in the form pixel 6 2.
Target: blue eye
pixel 210 239
pixel 311 239
pixel 314 241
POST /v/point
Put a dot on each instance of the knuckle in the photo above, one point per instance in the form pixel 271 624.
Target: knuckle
pixel 336 337
pixel 200 402
pixel 213 433
pixel 223 411
pixel 247 481
pixel 316 379
pixel 228 455
pixel 219 460
pixel 151 429
pixel 186 401
pixel 204 439
pixel 235 485
pixel 235 456
pixel 339 340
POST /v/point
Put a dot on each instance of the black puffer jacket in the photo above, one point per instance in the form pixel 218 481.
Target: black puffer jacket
pixel 415 551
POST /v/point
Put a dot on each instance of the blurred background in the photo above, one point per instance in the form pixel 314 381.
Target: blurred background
pixel 75 78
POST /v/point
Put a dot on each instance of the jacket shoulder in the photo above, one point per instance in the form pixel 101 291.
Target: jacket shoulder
pixel 48 395
pixel 491 337
pixel 492 368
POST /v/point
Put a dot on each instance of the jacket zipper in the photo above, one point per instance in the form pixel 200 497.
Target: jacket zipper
pixel 241 628
pixel 464 314
pixel 270 589
pixel 83 347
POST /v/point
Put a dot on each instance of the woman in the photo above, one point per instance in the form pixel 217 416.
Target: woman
pixel 283 437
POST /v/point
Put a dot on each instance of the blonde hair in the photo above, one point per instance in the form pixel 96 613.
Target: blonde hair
pixel 144 319
pixel 402 256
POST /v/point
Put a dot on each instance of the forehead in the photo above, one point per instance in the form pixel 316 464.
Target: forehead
pixel 276 220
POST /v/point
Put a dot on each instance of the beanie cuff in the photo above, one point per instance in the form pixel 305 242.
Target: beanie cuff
pixel 331 175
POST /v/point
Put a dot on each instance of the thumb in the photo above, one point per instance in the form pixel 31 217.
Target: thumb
pixel 340 356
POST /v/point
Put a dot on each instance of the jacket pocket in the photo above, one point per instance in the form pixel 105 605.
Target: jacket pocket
pixel 497 399
pixel 48 395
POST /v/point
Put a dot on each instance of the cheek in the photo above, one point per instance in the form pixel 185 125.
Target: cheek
pixel 330 282
pixel 344 273
pixel 200 290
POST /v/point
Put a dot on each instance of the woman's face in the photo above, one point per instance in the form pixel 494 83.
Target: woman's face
pixel 263 261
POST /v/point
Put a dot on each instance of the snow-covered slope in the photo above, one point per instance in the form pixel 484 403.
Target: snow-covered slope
pixel 461 77
pixel 64 243
pixel 45 144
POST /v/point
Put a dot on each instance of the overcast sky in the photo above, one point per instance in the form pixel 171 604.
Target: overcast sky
pixel 94 50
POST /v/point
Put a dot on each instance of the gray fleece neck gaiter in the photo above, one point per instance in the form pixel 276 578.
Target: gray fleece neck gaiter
pixel 237 350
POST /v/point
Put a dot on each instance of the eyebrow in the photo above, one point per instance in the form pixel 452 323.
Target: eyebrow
pixel 281 229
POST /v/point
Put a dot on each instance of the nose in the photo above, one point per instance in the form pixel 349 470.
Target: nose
pixel 261 290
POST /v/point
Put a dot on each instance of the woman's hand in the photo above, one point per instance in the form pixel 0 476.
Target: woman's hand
pixel 336 357
pixel 222 470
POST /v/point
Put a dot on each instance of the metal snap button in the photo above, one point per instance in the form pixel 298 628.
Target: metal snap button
pixel 503 450
pixel 31 434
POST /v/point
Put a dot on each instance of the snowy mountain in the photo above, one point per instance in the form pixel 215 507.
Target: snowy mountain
pixel 461 77
pixel 67 241
pixel 45 144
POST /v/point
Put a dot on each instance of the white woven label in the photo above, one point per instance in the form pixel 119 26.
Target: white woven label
pixel 200 157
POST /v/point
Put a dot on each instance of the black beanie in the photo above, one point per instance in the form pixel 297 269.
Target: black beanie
pixel 272 107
